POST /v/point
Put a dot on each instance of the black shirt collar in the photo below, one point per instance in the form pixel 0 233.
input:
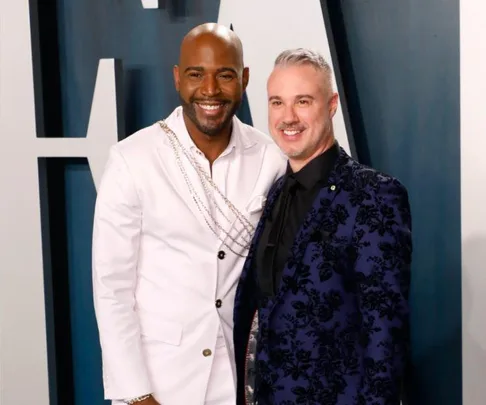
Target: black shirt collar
pixel 317 170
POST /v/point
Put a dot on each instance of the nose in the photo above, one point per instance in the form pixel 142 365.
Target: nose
pixel 210 86
pixel 289 115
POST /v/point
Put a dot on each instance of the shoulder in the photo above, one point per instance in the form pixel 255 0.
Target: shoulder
pixel 372 189
pixel 140 140
pixel 260 140
pixel 145 142
pixel 140 145
pixel 373 181
pixel 257 143
pixel 253 134
pixel 377 194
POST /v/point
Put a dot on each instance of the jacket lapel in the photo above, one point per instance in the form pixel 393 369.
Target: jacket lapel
pixel 315 221
pixel 179 172
pixel 240 192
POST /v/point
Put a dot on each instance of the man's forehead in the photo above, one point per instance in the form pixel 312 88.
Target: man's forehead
pixel 207 47
pixel 210 54
pixel 296 72
pixel 295 79
pixel 210 63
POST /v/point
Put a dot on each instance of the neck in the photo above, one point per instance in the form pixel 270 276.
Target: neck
pixel 210 145
pixel 299 163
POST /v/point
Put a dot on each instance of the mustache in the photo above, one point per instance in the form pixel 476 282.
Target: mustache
pixel 290 127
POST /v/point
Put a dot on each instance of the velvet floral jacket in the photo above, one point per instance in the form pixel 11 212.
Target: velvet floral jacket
pixel 337 331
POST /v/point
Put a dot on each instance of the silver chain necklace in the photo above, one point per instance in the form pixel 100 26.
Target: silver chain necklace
pixel 208 184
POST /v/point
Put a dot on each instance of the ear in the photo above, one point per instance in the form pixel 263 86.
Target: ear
pixel 333 104
pixel 246 77
pixel 177 78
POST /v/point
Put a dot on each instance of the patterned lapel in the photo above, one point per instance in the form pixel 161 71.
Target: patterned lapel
pixel 314 222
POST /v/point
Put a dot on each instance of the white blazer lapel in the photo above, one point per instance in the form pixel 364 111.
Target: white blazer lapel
pixel 243 192
pixel 185 179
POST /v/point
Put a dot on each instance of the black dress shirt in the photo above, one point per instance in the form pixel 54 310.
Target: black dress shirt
pixel 296 198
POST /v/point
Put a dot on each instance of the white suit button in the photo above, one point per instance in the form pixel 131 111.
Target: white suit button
pixel 206 352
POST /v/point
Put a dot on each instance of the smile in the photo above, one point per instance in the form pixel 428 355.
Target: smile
pixel 291 133
pixel 210 107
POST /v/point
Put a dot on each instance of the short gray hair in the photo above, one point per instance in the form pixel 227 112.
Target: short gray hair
pixel 303 56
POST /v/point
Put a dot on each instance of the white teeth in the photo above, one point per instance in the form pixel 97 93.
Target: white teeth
pixel 210 107
pixel 291 133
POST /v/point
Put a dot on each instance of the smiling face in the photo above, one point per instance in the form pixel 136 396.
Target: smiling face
pixel 210 80
pixel 301 106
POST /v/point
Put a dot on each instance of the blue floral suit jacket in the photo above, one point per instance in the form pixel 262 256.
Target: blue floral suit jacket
pixel 337 331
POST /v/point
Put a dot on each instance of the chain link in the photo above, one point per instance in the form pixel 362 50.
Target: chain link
pixel 208 184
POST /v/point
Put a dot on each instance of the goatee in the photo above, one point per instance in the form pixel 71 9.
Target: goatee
pixel 209 130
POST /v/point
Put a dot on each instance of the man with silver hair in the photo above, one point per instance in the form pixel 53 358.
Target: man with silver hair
pixel 321 313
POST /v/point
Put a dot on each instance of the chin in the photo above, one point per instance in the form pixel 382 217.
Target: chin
pixel 212 129
pixel 289 151
pixel 213 122
pixel 294 154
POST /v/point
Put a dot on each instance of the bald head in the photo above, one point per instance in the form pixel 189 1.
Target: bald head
pixel 210 79
pixel 211 35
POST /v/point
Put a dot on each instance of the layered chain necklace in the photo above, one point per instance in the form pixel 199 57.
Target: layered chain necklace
pixel 209 187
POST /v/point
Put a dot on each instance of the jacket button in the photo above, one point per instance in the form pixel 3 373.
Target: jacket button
pixel 218 303
pixel 206 352
pixel 221 255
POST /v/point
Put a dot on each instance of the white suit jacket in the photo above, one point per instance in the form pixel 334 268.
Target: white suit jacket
pixel 158 270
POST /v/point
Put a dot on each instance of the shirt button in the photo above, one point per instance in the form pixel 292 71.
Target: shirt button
pixel 218 303
pixel 221 255
pixel 206 352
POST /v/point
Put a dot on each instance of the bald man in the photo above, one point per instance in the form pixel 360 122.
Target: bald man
pixel 176 211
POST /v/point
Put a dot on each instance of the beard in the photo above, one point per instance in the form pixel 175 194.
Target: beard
pixel 212 126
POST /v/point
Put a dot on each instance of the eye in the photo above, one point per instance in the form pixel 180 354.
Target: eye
pixel 195 75
pixel 226 77
pixel 303 102
pixel 275 103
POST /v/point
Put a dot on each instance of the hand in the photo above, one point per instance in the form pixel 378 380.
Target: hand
pixel 149 401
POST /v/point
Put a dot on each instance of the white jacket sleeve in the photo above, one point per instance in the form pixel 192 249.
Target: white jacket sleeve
pixel 116 238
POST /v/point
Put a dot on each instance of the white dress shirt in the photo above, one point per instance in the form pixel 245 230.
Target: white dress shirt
pixel 164 283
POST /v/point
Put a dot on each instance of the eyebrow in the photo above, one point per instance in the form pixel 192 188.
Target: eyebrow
pixel 298 97
pixel 220 70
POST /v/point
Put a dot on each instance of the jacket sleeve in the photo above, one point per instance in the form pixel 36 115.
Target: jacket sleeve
pixel 116 238
pixel 383 246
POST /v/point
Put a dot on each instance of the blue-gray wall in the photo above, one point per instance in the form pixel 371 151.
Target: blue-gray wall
pixel 400 65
